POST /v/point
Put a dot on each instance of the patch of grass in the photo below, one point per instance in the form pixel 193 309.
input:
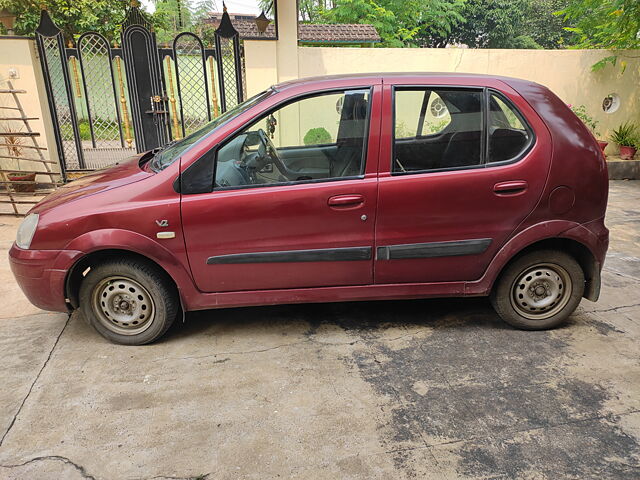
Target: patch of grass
pixel 107 131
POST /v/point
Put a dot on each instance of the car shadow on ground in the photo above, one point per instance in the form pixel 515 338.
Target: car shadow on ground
pixel 350 316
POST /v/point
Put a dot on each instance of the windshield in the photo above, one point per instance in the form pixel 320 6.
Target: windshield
pixel 168 154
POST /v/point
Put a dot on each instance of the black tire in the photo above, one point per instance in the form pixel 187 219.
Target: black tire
pixel 538 290
pixel 129 302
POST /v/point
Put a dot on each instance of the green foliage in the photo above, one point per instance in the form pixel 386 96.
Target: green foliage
pixel 402 131
pixel 72 16
pixel 525 42
pixel 436 23
pixel 626 135
pixel 400 23
pixel 588 120
pixel 176 16
pixel 606 24
pixel 108 130
pixel 317 136
pixel 512 24
pixel 438 127
pixel 171 18
pixel 545 27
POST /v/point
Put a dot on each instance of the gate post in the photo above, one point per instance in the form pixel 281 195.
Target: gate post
pixel 53 59
pixel 147 98
pixel 229 62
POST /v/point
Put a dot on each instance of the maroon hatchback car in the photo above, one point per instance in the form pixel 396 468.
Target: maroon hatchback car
pixel 335 189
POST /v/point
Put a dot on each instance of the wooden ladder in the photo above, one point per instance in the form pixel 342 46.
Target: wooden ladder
pixel 12 193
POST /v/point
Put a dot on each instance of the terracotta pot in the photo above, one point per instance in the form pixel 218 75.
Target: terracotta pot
pixel 28 178
pixel 603 145
pixel 627 153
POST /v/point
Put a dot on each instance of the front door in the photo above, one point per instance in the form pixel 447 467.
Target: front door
pixel 460 170
pixel 294 201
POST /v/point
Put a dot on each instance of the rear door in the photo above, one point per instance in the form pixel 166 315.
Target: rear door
pixel 312 227
pixel 461 168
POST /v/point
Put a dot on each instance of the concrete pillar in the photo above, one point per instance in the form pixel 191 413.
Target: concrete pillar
pixel 287 44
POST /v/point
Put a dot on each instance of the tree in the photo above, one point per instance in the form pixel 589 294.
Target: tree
pixel 72 16
pixel 607 24
pixel 545 27
pixel 392 33
pixel 512 24
pixel 170 18
pixel 400 23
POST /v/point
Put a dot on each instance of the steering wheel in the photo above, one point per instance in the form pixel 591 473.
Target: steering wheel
pixel 272 152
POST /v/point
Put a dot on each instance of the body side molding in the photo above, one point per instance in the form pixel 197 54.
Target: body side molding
pixel 433 249
pixel 344 254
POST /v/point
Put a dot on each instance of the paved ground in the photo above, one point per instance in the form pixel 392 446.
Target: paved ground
pixel 421 389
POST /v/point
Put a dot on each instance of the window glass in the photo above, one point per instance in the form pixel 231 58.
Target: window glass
pixel 314 138
pixel 437 129
pixel 508 133
pixel 168 154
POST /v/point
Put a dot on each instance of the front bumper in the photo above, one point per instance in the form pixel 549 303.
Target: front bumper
pixel 41 275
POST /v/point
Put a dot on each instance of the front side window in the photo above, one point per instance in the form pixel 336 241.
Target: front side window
pixel 437 128
pixel 168 154
pixel 314 138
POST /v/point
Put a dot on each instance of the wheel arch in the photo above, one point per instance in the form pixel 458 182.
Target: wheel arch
pixel 556 234
pixel 579 251
pixel 81 268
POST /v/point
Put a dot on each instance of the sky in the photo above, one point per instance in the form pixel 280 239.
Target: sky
pixel 233 6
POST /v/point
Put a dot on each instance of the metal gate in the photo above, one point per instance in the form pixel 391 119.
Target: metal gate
pixel 110 101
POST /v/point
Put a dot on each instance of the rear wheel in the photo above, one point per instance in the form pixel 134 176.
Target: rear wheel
pixel 128 302
pixel 539 290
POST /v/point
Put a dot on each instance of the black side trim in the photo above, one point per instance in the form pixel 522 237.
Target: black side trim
pixel 433 249
pixel 287 256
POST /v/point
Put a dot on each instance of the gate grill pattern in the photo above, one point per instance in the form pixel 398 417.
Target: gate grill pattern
pixel 62 105
pixel 108 102
pixel 191 75
pixel 99 86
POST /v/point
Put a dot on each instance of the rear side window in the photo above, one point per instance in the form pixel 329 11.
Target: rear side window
pixel 509 134
pixel 443 128
pixel 437 128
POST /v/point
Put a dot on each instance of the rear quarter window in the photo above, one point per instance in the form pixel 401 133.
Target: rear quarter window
pixel 509 134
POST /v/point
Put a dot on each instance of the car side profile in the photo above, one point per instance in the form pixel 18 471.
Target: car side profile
pixel 343 188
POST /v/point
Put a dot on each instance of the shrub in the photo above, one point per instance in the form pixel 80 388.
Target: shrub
pixel 588 120
pixel 317 136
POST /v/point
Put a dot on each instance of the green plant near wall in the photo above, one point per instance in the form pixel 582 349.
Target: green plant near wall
pixel 109 130
pixel 626 135
pixel 317 136
pixel 588 120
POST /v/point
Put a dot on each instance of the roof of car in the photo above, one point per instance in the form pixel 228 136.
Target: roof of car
pixel 392 76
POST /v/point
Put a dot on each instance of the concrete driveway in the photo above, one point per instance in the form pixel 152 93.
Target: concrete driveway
pixel 417 389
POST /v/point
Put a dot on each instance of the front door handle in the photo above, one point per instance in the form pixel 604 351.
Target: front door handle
pixel 512 187
pixel 345 201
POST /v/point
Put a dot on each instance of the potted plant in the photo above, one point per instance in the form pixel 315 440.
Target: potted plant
pixel 29 180
pixel 590 123
pixel 13 144
pixel 626 137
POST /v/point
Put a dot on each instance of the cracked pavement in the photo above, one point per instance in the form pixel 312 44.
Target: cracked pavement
pixel 429 389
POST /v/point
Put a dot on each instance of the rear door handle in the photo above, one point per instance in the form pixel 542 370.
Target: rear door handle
pixel 512 187
pixel 343 201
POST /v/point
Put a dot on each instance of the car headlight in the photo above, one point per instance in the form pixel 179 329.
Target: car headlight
pixel 26 230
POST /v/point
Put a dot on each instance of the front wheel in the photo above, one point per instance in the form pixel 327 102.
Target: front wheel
pixel 128 302
pixel 539 290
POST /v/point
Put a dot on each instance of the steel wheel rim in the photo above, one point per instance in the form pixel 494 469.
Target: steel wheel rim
pixel 123 305
pixel 541 291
